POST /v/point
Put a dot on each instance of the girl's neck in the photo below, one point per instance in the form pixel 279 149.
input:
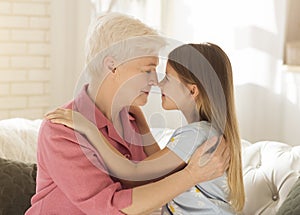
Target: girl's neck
pixel 191 114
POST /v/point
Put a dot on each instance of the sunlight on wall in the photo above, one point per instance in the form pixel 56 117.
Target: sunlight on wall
pixel 251 32
pixel 292 82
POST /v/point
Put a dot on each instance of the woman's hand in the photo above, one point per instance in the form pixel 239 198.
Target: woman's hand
pixel 71 119
pixel 207 166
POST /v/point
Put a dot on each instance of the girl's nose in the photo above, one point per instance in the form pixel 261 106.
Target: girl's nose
pixel 161 83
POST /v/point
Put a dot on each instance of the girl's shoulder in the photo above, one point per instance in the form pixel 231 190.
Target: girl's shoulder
pixel 197 127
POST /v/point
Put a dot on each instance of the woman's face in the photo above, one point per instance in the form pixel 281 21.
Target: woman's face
pixel 135 79
pixel 175 94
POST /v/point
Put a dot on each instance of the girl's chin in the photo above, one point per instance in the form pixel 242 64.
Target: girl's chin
pixel 167 107
pixel 167 103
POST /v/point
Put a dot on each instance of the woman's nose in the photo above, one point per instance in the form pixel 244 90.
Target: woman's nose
pixel 153 79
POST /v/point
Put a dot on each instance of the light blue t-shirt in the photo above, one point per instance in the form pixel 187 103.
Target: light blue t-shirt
pixel 207 198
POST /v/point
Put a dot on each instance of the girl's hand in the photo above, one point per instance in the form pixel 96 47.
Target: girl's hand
pixel 71 119
pixel 138 114
pixel 207 166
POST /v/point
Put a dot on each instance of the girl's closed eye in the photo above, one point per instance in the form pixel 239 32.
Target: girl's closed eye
pixel 166 78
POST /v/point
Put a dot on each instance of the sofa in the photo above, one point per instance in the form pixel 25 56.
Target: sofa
pixel 271 170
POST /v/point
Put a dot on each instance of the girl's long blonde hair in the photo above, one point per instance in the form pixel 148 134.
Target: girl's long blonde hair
pixel 208 66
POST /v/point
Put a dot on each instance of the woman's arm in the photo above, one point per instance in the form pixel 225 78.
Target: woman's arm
pixel 155 166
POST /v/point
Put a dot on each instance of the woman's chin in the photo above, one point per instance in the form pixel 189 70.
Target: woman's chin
pixel 140 101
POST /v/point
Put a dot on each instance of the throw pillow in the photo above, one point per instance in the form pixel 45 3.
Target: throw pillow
pixel 291 205
pixel 17 185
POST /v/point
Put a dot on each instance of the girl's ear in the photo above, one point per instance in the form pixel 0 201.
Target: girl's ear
pixel 194 90
pixel 109 64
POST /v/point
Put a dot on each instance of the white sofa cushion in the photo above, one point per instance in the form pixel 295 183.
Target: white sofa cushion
pixel 18 139
pixel 270 169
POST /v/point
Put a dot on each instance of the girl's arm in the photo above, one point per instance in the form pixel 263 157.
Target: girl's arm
pixel 155 166
pixel 150 145
pixel 149 197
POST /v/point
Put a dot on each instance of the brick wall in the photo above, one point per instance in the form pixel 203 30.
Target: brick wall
pixel 24 58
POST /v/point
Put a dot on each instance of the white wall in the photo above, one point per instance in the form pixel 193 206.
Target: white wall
pixel 41 54
pixel 24 58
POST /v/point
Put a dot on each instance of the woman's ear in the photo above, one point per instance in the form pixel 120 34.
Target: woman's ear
pixel 194 90
pixel 109 64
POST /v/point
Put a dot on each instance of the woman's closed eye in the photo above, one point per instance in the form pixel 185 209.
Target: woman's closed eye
pixel 148 70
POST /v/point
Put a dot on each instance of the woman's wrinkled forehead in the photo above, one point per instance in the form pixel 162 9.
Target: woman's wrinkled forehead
pixel 150 61
pixel 143 62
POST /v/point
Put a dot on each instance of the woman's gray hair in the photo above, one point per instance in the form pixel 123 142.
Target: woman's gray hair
pixel 121 37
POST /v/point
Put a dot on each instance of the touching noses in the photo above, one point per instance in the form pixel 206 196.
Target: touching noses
pixel 161 83
pixel 152 79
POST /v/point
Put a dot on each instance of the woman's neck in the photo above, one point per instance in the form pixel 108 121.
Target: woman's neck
pixel 102 100
pixel 105 104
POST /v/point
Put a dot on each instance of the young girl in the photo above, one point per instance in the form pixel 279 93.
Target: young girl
pixel 198 82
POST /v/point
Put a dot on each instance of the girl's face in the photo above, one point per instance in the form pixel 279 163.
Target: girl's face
pixel 175 94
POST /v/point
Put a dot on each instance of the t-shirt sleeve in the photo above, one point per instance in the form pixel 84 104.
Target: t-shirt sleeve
pixel 186 140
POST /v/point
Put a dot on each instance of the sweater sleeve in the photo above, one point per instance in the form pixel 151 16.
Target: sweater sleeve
pixel 78 172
